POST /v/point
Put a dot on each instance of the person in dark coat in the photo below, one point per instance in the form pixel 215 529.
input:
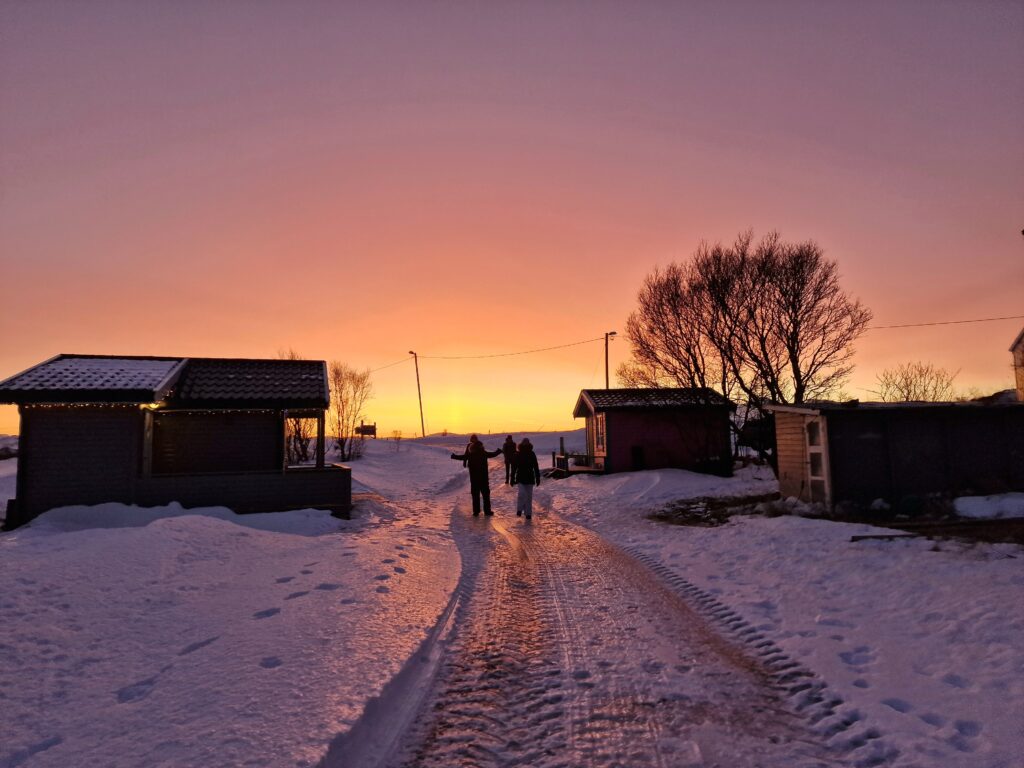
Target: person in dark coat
pixel 509 449
pixel 475 458
pixel 525 474
pixel 469 445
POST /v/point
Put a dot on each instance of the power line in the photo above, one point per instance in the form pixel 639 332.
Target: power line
pixel 390 365
pixel 945 322
pixel 509 354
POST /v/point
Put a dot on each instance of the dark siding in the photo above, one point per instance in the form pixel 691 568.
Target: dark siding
pixel 692 438
pixel 196 441
pixel 77 456
pixel 858 456
pixel 894 453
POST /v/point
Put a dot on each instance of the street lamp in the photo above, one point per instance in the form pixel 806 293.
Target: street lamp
pixel 606 337
pixel 419 393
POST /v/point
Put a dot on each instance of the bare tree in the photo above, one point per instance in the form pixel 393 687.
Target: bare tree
pixel 757 323
pixel 913 382
pixel 299 432
pixel 350 389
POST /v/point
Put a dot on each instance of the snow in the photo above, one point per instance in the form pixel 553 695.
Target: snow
pixel 921 640
pixel 168 636
pixel 1004 505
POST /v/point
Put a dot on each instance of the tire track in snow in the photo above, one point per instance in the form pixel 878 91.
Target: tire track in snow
pixel 570 653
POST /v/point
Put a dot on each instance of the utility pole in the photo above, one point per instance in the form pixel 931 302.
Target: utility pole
pixel 419 393
pixel 606 336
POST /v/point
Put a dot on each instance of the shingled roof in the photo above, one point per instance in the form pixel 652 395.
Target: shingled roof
pixel 219 383
pixel 173 381
pixel 595 400
pixel 93 378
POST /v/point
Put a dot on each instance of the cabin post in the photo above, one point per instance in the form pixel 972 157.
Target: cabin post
pixel 320 442
pixel 147 443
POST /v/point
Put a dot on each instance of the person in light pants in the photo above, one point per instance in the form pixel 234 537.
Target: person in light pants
pixel 525 474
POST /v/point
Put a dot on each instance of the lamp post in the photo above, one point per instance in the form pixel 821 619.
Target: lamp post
pixel 419 393
pixel 606 337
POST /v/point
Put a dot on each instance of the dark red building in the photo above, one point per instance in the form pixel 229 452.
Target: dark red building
pixel 636 429
pixel 149 431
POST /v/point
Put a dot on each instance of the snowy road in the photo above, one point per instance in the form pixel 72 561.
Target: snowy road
pixel 566 652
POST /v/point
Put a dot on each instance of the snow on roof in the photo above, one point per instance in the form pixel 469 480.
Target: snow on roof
pixel 667 397
pixel 68 376
pixel 178 382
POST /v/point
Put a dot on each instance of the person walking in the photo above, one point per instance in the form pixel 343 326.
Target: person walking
pixel 475 458
pixel 509 449
pixel 525 474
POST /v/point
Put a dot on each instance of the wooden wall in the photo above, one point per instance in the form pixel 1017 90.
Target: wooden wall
pixel 211 441
pixel 77 455
pixel 791 451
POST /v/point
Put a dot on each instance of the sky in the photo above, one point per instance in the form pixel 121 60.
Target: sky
pixel 357 180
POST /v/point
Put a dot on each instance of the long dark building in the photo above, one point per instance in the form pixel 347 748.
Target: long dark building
pixel 902 453
pixel 152 430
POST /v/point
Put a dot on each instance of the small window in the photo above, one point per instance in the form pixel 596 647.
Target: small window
pixel 814 433
pixel 599 433
pixel 817 465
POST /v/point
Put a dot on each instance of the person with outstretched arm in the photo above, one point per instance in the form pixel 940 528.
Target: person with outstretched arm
pixel 475 458
pixel 525 474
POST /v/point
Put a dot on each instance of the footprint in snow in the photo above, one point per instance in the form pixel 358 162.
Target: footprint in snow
pixel 348 601
pixel 932 719
pixel 967 727
pixel 136 691
pixel 310 565
pixel 860 682
pixel 858 656
pixel 270 662
pixel 305 572
pixel 192 647
pixel 21 755
pixel 956 681
pixel 300 593
pixel 898 704
pixel 266 613
pixel 388 560
pixel 383 590
pixel 284 579
pixel 399 569
pixel 382 577
pixel 327 586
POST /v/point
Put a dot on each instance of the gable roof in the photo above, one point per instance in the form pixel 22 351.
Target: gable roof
pixel 177 382
pixel 596 400
pixel 1018 341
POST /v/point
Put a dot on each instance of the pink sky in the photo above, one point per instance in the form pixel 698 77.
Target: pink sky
pixel 358 180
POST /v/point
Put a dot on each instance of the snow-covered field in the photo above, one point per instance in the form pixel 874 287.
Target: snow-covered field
pixel 174 637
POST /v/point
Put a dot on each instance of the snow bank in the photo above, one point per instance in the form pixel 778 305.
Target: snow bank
pixel 1004 505
pixel 175 637
pixel 921 640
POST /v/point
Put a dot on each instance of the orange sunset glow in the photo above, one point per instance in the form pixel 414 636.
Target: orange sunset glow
pixel 354 181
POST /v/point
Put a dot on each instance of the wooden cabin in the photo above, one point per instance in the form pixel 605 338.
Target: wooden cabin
pixel 635 429
pixel 152 430
pixel 854 453
pixel 1017 348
